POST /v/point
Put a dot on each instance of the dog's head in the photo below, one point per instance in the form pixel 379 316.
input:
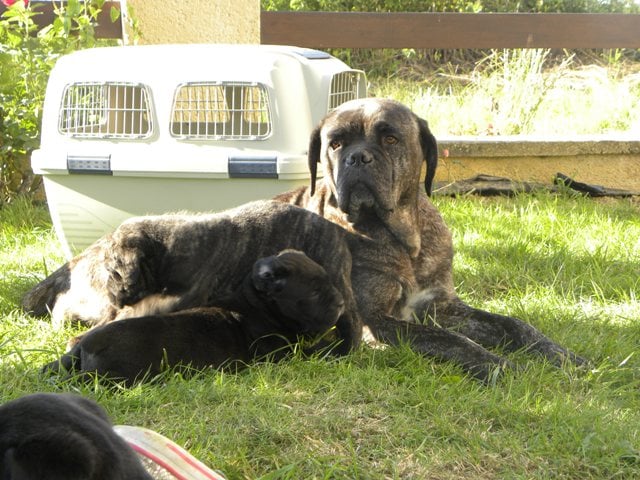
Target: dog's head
pixel 372 152
pixel 62 436
pixel 305 300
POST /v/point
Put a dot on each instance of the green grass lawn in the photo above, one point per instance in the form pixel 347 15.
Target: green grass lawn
pixel 568 265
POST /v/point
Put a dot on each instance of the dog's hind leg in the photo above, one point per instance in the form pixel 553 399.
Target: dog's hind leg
pixel 441 344
pixel 74 292
pixel 494 330
pixel 40 300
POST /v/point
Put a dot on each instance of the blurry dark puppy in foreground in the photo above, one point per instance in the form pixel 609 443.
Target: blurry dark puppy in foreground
pixel 286 298
pixel 62 437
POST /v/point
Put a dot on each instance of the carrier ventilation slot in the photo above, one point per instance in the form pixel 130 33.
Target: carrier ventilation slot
pixel 345 86
pixel 221 111
pixel 106 110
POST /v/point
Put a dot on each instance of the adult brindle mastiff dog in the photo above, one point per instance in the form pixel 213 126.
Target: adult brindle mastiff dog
pixel 400 250
pixel 372 152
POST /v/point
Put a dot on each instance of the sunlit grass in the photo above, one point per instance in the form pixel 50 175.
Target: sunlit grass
pixel 569 265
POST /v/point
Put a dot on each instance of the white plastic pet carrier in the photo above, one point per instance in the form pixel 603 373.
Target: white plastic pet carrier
pixel 150 129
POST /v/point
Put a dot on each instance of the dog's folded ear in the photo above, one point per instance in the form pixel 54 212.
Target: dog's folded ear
pixel 430 153
pixel 313 157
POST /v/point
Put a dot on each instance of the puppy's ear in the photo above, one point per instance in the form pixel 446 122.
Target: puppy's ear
pixel 313 157
pixel 430 153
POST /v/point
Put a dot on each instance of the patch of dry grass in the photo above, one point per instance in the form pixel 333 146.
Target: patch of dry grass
pixel 515 92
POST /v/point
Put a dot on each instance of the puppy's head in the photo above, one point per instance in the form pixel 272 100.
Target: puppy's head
pixel 372 151
pixel 62 437
pixel 305 300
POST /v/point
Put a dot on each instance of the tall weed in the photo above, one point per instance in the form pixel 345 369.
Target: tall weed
pixel 515 92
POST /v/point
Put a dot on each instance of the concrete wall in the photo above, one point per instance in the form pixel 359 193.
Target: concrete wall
pixel 197 21
pixel 605 160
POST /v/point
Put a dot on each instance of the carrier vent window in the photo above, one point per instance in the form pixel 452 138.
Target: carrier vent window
pixel 106 110
pixel 345 86
pixel 221 111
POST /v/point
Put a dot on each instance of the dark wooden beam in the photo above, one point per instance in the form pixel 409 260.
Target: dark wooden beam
pixel 450 30
pixel 105 28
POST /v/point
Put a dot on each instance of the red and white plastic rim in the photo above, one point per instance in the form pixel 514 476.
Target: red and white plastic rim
pixel 165 453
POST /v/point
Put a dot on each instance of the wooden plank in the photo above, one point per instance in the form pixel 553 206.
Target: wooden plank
pixel 450 30
pixel 105 28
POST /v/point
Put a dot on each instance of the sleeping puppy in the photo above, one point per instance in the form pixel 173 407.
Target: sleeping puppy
pixel 168 263
pixel 62 437
pixel 283 299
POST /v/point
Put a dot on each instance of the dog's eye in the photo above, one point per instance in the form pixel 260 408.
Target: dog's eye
pixel 390 140
pixel 266 275
pixel 335 144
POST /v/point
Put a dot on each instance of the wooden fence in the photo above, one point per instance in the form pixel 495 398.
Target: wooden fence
pixel 450 30
pixel 422 30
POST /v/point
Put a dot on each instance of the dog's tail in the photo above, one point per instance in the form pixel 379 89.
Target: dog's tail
pixel 39 301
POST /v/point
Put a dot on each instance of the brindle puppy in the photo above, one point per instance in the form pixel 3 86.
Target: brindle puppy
pixel 167 263
pixel 286 298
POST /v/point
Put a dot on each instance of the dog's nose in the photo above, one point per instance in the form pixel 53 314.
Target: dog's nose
pixel 358 158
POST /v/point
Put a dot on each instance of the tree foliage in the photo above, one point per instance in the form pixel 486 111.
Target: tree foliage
pixel 27 55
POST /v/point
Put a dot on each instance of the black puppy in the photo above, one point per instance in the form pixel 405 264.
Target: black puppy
pixel 62 437
pixel 285 298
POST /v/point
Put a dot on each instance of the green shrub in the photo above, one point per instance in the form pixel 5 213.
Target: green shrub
pixel 27 55
pixel 373 5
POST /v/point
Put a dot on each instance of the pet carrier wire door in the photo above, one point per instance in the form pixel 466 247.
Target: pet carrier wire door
pixel 221 111
pixel 105 110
